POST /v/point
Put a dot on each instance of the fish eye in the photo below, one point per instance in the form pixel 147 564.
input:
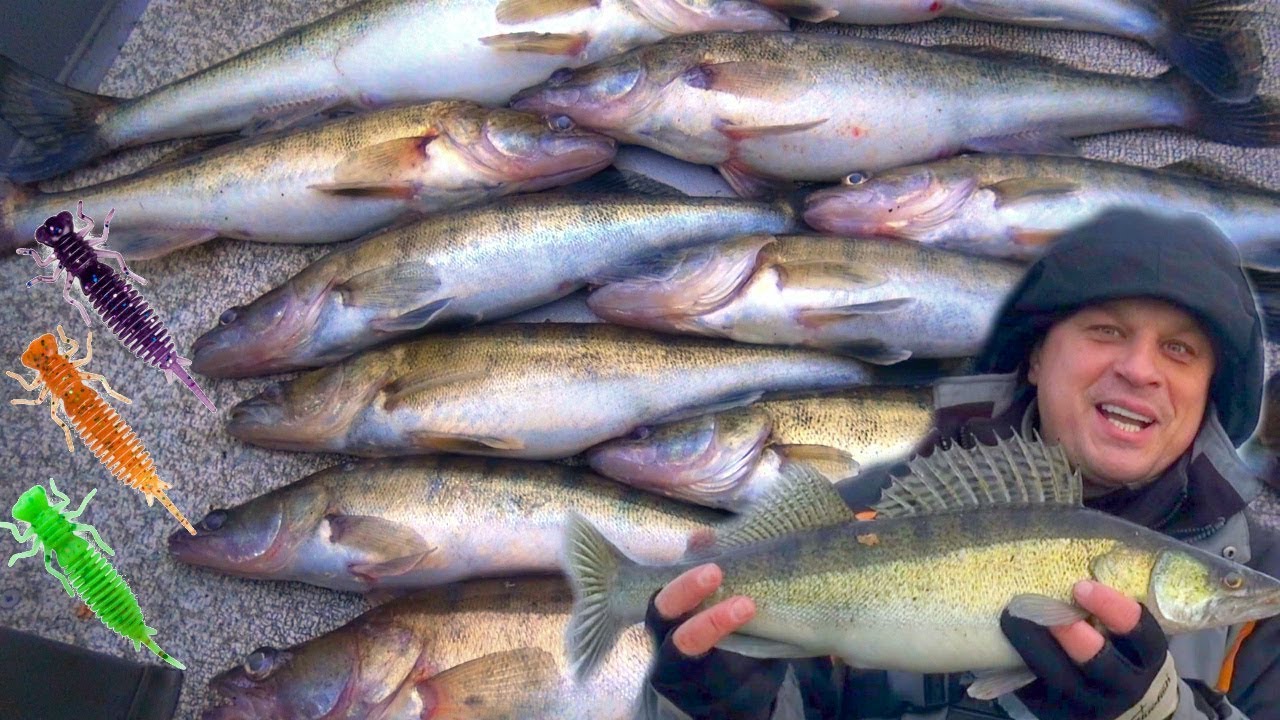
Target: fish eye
pixel 228 317
pixel 1233 580
pixel 560 123
pixel 214 520
pixel 274 393
pixel 856 178
pixel 261 663
pixel 561 76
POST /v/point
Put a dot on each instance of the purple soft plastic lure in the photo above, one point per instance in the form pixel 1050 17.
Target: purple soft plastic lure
pixel 122 310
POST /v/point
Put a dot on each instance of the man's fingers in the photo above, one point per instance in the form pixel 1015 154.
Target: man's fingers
pixel 1120 614
pixel 682 595
pixel 1079 640
pixel 700 633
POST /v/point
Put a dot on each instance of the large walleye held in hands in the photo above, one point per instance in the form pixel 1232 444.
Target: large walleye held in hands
pixel 374 54
pixel 1015 205
pixel 769 106
pixel 486 649
pixel 734 458
pixel 921 588
pixel 1206 39
pixel 877 300
pixel 527 391
pixel 326 183
pixel 414 523
pixel 448 271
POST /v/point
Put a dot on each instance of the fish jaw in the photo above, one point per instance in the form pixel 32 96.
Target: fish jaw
pixel 609 96
pixel 903 204
pixel 1197 590
pixel 315 411
pixel 266 336
pixel 259 539
pixel 309 682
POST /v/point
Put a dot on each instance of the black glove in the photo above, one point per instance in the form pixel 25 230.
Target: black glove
pixel 717 684
pixel 1132 676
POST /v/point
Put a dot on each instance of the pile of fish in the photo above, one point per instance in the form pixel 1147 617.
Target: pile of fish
pixel 554 363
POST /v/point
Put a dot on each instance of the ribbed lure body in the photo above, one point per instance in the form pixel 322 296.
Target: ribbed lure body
pixel 85 572
pixel 100 428
pixel 116 301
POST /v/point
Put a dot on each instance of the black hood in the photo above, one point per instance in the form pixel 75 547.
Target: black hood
pixel 1128 253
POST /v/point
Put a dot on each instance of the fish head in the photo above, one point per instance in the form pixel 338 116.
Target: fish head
pixel 264 336
pixel 40 351
pixel 681 17
pixel 314 411
pixel 310 681
pixel 32 504
pixel 906 203
pixel 502 151
pixel 55 228
pixel 259 538
pixel 1193 590
pixel 612 94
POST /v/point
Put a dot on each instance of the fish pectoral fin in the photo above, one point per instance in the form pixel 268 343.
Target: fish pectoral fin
pixel 835 463
pixel 991 684
pixel 734 131
pixel 390 549
pixel 516 12
pixel 757 79
pixel 282 116
pixel 824 315
pixel 464 444
pixel 500 685
pixel 1044 610
pixel 403 388
pixel 1011 190
pixel 801 499
pixel 757 647
pixel 156 243
pixel 747 183
pixel 534 42
pixel 413 320
pixel 384 169
pixel 689 283
pixel 404 284
pixel 870 350
pixel 1038 142
pixel 1032 237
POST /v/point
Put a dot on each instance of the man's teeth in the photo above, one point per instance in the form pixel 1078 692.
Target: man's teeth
pixel 1113 410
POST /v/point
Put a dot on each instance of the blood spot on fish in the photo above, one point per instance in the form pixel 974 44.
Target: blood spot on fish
pixel 870 539
pixel 935 6
pixel 701 539
pixel 856 132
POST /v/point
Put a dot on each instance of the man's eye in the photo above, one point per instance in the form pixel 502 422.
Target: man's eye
pixel 1106 330
pixel 1180 348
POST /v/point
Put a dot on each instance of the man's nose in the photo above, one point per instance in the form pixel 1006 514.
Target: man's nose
pixel 1138 364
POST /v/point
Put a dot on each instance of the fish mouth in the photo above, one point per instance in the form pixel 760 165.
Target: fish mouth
pixel 221 545
pixel 241 698
pixel 908 208
pixel 261 338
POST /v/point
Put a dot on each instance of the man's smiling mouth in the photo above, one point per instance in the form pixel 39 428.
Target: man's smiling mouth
pixel 1127 420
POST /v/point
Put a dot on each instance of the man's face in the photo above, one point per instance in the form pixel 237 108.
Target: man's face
pixel 1122 386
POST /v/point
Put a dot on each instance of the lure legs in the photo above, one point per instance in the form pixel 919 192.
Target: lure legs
pixel 97 243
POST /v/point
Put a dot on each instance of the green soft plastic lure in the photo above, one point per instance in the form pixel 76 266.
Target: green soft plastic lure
pixel 84 570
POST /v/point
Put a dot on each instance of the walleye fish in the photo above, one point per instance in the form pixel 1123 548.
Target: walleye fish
pixel 733 459
pixel 921 587
pixel 764 107
pixel 877 300
pixel 415 523
pixel 441 272
pixel 1206 39
pixel 485 649
pixel 528 391
pixel 372 55
pixel 1012 206
pixel 326 183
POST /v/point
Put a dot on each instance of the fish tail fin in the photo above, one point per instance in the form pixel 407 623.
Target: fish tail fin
pixel 1208 41
pixel 59 123
pixel 13 237
pixel 593 564
pixel 1252 123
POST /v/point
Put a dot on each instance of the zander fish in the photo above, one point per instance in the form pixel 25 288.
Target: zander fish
pixel 444 272
pixel 967 533
pixel 372 55
pixel 325 183
pixel 1013 206
pixel 1206 39
pixel 529 391
pixel 877 300
pixel 733 459
pixel 484 649
pixel 414 523
pixel 766 107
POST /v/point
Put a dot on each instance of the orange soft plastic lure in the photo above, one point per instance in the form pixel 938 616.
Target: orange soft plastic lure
pixel 99 426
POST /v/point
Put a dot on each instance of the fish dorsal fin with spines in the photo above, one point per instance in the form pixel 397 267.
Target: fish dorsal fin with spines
pixel 1011 472
pixel 802 499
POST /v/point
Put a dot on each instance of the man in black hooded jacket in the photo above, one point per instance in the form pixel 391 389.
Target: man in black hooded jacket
pixel 1135 343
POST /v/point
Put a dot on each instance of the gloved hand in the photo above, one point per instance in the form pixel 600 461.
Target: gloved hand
pixel 1128 676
